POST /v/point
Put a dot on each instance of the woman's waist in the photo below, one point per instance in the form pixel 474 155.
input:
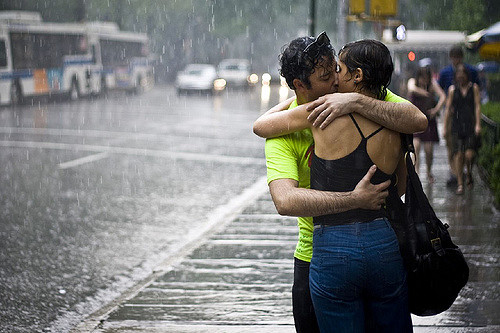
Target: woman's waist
pixel 349 217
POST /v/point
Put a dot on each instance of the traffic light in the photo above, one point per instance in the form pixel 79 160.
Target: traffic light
pixel 411 56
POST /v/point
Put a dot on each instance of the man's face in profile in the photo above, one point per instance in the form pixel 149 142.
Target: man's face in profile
pixel 324 79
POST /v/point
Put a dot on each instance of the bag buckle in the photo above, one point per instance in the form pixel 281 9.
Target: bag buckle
pixel 436 245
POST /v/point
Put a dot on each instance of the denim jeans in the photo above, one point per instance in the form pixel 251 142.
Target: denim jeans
pixel 357 279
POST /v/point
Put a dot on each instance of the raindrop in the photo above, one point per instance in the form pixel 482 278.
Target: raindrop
pixel 62 291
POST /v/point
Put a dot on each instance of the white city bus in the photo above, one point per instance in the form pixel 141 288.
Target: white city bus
pixel 77 59
pixel 38 58
pixel 122 56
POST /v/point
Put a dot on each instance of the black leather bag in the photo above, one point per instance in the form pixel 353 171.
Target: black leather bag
pixel 436 267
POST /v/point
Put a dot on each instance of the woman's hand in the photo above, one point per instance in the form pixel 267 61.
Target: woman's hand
pixel 433 113
pixel 477 129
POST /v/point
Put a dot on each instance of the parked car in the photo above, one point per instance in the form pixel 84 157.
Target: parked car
pixel 236 72
pixel 196 77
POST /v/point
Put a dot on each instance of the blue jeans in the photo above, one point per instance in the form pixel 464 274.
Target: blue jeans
pixel 357 279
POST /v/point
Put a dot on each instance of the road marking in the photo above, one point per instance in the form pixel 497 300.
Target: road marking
pixel 127 135
pixel 83 160
pixel 201 157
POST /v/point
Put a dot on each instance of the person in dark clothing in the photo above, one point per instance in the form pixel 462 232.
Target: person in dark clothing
pixel 463 123
pixel 446 79
pixel 422 90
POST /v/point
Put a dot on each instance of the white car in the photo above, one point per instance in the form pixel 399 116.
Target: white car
pixel 236 72
pixel 199 77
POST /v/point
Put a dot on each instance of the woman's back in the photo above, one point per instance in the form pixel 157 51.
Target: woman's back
pixel 343 154
pixel 342 137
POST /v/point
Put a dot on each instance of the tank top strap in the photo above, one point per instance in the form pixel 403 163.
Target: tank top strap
pixel 375 132
pixel 357 126
pixel 359 129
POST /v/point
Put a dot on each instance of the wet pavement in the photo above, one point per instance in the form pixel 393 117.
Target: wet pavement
pixel 237 276
pixel 95 193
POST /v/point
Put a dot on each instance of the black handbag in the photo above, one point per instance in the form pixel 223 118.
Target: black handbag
pixel 436 268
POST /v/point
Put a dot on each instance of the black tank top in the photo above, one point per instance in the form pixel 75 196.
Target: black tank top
pixel 463 117
pixel 342 175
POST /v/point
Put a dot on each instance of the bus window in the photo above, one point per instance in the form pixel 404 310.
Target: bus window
pixel 118 53
pixel 43 50
pixel 3 54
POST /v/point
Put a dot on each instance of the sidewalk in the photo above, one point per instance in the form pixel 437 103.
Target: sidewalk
pixel 238 279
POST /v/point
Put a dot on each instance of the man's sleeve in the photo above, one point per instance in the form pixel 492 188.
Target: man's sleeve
pixel 391 97
pixel 474 76
pixel 280 160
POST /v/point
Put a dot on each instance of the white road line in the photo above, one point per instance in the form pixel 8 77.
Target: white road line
pixel 225 159
pixel 127 135
pixel 83 160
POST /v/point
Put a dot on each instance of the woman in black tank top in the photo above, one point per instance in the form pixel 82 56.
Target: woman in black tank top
pixel 463 122
pixel 357 277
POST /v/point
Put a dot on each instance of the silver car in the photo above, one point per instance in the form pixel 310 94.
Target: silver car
pixel 236 72
pixel 197 77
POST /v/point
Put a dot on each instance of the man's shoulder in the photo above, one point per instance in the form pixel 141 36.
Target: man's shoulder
pixel 447 70
pixel 392 97
pixel 470 67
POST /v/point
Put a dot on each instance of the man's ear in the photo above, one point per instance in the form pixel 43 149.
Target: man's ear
pixel 298 84
pixel 358 75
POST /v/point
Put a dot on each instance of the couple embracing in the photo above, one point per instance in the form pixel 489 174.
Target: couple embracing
pixel 332 151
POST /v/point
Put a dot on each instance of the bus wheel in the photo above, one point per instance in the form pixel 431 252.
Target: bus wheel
pixel 16 95
pixel 74 92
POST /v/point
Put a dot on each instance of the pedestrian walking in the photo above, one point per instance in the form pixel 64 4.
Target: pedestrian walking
pixel 446 79
pixel 463 124
pixel 423 91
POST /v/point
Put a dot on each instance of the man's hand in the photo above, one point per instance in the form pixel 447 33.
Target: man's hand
pixel 326 108
pixel 371 196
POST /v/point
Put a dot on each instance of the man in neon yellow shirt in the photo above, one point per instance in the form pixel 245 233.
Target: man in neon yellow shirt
pixel 312 76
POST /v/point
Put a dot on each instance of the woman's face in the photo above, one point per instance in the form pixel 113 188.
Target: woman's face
pixel 423 79
pixel 346 79
pixel 461 76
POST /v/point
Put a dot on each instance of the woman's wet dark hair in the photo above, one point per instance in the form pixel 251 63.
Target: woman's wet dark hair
pixel 421 71
pixel 294 64
pixel 464 69
pixel 374 59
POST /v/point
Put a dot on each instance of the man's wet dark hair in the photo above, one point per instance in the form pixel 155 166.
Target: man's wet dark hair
pixel 374 59
pixel 456 52
pixel 294 64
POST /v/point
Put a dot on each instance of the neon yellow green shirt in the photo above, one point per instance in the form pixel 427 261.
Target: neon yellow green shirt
pixel 287 157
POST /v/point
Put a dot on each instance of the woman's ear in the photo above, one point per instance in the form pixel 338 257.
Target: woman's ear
pixel 358 75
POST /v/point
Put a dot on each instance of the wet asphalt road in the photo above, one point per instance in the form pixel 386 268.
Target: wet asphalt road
pixel 95 193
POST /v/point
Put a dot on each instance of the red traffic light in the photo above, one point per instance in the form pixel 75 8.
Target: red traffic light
pixel 411 56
